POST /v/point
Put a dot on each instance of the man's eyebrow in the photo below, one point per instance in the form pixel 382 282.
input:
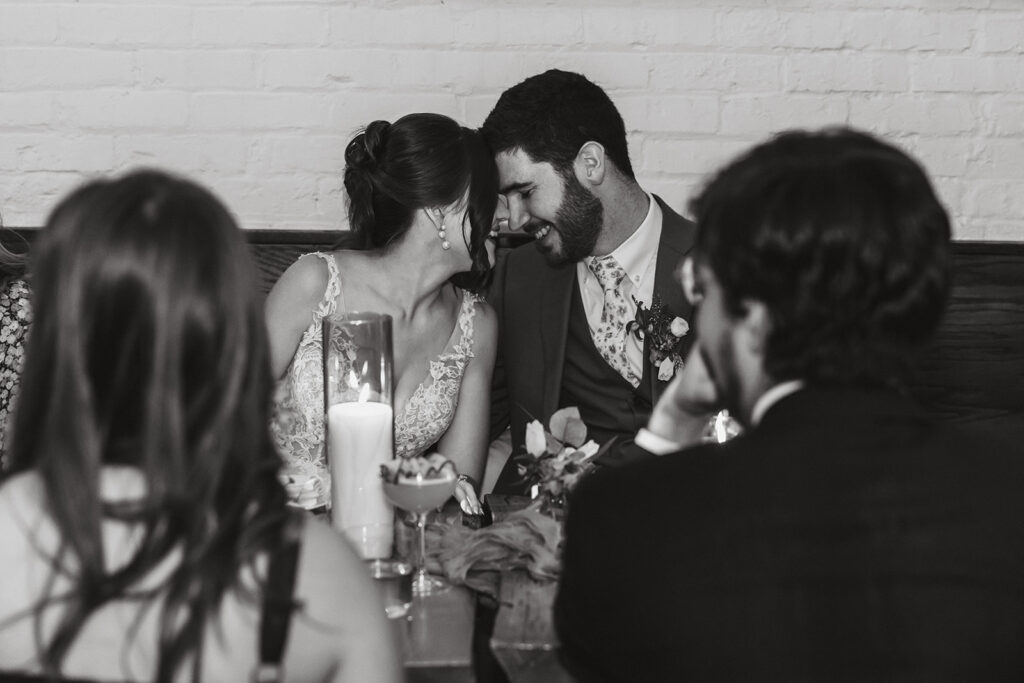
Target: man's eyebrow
pixel 514 187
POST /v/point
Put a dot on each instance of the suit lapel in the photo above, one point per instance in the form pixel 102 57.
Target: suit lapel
pixel 555 300
pixel 677 239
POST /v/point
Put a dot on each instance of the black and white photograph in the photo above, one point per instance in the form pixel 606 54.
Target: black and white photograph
pixel 480 341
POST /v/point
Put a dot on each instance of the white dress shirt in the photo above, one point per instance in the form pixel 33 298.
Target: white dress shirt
pixel 659 445
pixel 638 256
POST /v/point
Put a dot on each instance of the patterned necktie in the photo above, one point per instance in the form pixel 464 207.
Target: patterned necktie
pixel 610 335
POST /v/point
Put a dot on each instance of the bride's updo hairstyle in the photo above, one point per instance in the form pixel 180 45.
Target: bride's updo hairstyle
pixel 392 170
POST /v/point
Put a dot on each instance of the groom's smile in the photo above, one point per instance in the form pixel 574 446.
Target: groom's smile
pixel 562 216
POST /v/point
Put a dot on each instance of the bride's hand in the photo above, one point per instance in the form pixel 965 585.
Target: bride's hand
pixel 465 493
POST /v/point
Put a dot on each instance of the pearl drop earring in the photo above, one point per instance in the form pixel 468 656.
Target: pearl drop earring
pixel 443 234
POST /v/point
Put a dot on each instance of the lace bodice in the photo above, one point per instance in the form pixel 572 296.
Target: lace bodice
pixel 298 424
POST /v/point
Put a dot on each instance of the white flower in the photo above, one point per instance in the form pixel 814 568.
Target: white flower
pixel 679 327
pixel 536 442
pixel 667 368
pixel 588 449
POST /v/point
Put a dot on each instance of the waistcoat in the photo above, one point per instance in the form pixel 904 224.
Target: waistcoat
pixel 609 405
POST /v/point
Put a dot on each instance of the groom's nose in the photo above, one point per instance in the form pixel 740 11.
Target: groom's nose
pixel 518 215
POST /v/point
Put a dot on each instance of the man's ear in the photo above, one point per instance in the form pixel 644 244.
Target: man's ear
pixel 755 326
pixel 589 165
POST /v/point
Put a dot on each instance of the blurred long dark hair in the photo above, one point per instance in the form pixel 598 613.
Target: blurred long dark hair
pixel 148 349
pixel 392 170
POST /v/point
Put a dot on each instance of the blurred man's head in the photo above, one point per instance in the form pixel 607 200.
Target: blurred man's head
pixel 549 134
pixel 821 257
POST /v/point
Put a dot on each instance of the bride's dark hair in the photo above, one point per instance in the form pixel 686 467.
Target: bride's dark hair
pixel 392 170
pixel 148 350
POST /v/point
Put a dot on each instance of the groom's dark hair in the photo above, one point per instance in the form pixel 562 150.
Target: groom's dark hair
pixel 841 236
pixel 551 115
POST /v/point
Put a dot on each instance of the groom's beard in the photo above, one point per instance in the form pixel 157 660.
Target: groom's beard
pixel 578 223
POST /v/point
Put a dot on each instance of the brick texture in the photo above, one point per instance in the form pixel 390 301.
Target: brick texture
pixel 257 98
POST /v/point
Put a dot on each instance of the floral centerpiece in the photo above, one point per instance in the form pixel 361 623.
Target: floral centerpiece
pixel 556 458
pixel 554 461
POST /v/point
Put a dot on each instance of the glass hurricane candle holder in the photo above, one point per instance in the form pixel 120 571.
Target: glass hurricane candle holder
pixel 359 427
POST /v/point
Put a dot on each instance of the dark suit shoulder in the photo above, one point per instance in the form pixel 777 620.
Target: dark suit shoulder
pixel 667 478
pixel 672 220
pixel 526 258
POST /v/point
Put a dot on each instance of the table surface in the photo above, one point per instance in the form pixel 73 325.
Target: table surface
pixel 436 638
pixel 524 639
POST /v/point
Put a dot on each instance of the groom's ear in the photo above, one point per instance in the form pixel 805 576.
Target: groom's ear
pixel 755 326
pixel 589 165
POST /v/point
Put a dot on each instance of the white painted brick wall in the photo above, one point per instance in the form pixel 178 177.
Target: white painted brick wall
pixel 257 98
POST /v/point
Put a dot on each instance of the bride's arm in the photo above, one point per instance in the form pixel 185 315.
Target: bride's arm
pixel 289 308
pixel 465 442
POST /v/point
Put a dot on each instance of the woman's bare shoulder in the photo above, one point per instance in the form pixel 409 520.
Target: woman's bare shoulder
pixel 303 284
pixel 20 493
pixel 341 615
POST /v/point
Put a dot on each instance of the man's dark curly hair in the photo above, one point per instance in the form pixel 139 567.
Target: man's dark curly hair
pixel 551 115
pixel 841 236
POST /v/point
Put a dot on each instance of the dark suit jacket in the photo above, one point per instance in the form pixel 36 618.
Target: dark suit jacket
pixel 532 301
pixel 846 538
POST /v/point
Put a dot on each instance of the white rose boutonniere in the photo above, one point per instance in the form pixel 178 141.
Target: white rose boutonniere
pixel 665 332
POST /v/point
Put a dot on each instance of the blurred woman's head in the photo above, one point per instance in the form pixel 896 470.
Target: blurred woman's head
pixel 148 349
pixel 421 161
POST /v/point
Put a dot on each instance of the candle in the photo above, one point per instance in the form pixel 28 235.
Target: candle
pixel 359 439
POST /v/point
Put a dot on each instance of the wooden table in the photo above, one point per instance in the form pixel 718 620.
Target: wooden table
pixel 436 637
pixel 524 640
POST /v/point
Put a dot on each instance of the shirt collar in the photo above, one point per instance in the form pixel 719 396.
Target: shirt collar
pixel 634 255
pixel 771 397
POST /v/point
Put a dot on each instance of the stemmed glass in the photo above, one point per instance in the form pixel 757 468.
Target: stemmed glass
pixel 721 428
pixel 419 494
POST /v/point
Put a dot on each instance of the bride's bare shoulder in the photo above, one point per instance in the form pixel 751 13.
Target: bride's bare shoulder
pixel 304 281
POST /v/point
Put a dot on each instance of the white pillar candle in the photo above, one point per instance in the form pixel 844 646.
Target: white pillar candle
pixel 359 439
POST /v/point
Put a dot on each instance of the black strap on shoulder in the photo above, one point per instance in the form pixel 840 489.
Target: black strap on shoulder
pixel 278 604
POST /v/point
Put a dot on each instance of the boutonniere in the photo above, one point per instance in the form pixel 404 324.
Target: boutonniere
pixel 665 333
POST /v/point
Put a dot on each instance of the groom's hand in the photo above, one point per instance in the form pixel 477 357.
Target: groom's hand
pixel 687 404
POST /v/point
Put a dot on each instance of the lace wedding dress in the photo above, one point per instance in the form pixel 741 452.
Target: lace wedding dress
pixel 298 421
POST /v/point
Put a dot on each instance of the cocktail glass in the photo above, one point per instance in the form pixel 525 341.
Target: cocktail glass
pixel 721 428
pixel 419 496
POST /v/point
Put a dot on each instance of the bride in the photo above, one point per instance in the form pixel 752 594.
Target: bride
pixel 422 195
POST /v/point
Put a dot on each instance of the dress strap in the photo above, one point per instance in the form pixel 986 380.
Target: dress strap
pixel 466 314
pixel 278 603
pixel 333 292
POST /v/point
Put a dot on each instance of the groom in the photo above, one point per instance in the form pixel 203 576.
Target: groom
pixel 602 246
